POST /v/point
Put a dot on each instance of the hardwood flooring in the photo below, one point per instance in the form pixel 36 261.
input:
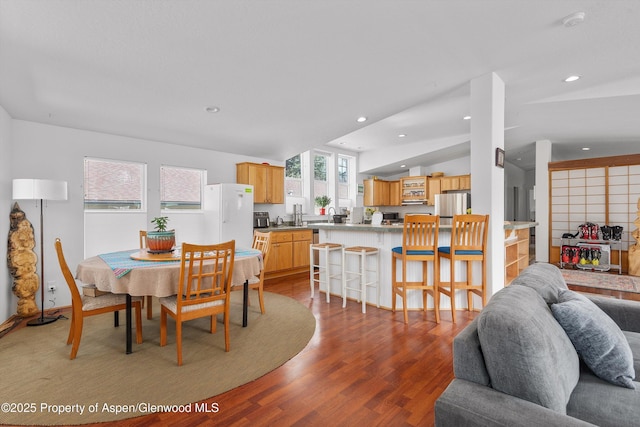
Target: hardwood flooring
pixel 368 369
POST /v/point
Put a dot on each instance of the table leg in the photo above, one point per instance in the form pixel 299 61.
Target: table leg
pixel 128 316
pixel 245 303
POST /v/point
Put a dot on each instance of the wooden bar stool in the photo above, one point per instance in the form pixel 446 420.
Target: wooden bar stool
pixel 468 244
pixel 326 249
pixel 362 253
pixel 419 243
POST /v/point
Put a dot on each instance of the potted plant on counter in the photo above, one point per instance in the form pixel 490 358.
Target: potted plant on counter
pixel 161 240
pixel 323 202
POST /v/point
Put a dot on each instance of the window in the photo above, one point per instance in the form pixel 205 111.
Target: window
pixel 293 177
pixel 181 188
pixel 110 185
pixel 320 184
pixel 343 170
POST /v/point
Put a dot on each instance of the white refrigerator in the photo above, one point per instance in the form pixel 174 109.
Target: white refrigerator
pixel 228 214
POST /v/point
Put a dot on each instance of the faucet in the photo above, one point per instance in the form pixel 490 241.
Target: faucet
pixel 330 219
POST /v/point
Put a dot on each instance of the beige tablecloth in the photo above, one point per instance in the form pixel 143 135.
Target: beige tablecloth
pixel 159 280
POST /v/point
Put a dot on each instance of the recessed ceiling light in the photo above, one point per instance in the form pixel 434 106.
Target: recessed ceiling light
pixel 466 118
pixel 361 119
pixel 519 158
pixel 342 143
pixel 402 135
pixel 212 109
pixel 573 19
pixel 571 79
pixel 403 166
pixel 586 148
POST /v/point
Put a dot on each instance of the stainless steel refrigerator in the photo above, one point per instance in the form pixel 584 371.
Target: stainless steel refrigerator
pixel 228 210
pixel 450 204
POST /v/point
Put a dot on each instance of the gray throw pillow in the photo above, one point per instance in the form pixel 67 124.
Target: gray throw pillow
pixel 597 339
pixel 526 352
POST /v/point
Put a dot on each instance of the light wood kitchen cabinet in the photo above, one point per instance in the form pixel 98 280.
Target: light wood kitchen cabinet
pixel 434 188
pixel 516 253
pixel 395 198
pixel 414 189
pixel 281 252
pixel 465 182
pixel 448 183
pixel 376 192
pixel 301 243
pixel 267 181
pixel 289 252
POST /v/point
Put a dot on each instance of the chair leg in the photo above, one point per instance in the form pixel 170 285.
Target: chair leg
pixel 163 327
pixel 179 341
pixel 469 284
pixel 394 284
pixel 404 291
pixel 139 323
pixel 149 307
pixel 328 274
pixel 452 289
pixel 311 271
pixel 227 345
pixel 261 296
pixel 436 286
pixel 71 329
pixel 77 335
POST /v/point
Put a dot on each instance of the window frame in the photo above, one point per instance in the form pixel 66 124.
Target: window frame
pixel 203 182
pixel 143 187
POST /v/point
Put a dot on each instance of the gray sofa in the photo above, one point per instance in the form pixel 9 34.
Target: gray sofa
pixel 541 355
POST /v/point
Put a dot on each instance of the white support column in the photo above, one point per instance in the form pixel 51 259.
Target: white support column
pixel 543 157
pixel 487 179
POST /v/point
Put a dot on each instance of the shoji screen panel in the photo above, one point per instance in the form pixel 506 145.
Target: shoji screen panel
pixel 624 191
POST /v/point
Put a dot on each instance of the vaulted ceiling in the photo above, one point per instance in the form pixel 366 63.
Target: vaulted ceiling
pixel 292 75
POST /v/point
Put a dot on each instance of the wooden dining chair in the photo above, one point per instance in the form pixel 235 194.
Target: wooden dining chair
pixel 419 243
pixel 84 306
pixel 261 242
pixel 204 290
pixel 468 244
pixel 143 245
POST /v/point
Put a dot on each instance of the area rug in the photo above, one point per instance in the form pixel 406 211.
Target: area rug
pixel 41 386
pixel 600 280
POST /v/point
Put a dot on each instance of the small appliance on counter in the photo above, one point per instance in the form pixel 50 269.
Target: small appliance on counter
pixel 261 220
pixel 297 214
pixel 389 218
pixel 357 215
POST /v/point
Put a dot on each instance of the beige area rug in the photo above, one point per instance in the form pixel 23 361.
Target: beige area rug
pixel 601 280
pixel 38 379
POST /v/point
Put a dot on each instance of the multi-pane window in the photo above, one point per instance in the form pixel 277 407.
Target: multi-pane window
pixel 181 188
pixel 344 177
pixel 320 184
pixel 293 177
pixel 113 185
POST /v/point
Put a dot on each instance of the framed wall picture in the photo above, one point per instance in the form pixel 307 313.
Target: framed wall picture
pixel 500 157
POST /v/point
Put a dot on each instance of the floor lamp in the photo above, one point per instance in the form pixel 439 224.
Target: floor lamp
pixel 40 189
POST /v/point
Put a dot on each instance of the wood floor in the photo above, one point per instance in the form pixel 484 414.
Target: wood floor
pixel 358 369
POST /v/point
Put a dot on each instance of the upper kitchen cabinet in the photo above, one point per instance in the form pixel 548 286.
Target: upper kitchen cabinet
pixel 414 190
pixel 376 192
pixel 395 195
pixel 267 181
pixel 451 183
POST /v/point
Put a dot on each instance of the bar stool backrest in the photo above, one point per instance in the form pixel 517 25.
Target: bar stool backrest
pixel 469 232
pixel 420 232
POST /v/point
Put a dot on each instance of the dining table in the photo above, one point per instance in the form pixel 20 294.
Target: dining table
pixel 138 272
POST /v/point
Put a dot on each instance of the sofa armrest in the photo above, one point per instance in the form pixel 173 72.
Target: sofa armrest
pixel 625 313
pixel 468 404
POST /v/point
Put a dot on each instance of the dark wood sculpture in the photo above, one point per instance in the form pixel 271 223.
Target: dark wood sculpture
pixel 22 261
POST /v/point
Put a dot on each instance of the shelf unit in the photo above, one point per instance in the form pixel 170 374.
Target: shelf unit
pixel 414 189
pixel 577 242
pixel 516 253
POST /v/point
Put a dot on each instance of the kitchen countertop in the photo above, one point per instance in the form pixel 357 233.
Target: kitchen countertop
pixel 394 228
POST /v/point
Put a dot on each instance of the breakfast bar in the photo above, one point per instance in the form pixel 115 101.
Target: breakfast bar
pixel 386 237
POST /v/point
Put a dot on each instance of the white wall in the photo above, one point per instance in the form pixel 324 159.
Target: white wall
pixel 515 177
pixel 51 152
pixel 8 301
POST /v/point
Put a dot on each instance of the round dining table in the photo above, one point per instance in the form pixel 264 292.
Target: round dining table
pixel 134 273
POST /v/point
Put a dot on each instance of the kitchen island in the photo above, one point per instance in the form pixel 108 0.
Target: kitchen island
pixel 386 237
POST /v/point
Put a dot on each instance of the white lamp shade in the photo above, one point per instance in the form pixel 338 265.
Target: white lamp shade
pixel 33 189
